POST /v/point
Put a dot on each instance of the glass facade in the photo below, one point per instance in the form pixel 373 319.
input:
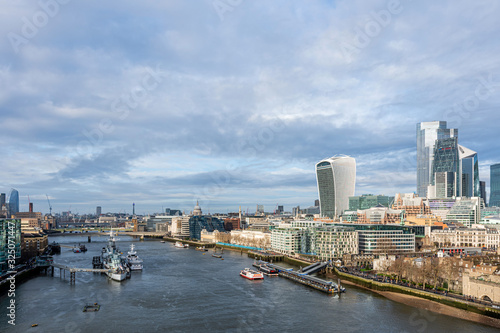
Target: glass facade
pixel 336 178
pixel 495 185
pixel 13 202
pixel 446 161
pixel 209 223
pixel 427 134
pixel 367 201
pixel 10 238
pixel 469 168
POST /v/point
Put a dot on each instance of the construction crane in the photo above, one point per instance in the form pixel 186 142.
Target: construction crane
pixel 50 206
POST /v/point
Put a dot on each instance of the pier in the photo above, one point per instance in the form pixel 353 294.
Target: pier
pixel 311 281
pixel 72 271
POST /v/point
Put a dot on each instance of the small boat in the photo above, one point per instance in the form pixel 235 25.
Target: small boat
pixel 180 245
pixel 216 255
pixel 251 274
pixel 162 241
pixel 34 325
pixel 91 307
pixel 83 248
pixel 76 250
pixel 201 248
pixel 268 270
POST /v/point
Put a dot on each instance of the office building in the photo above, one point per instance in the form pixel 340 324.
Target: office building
pixel 469 169
pixel 336 179
pixel 427 134
pixel 2 200
pixel 482 191
pixel 446 168
pixel 98 211
pixel 466 211
pixel 13 202
pixel 334 242
pixel 495 185
pixel 366 201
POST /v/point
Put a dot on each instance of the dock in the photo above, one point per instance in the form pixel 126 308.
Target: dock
pixel 72 271
pixel 303 277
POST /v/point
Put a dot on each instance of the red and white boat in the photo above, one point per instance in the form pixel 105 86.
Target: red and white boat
pixel 251 274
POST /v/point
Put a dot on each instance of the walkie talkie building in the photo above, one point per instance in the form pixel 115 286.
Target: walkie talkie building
pixel 336 178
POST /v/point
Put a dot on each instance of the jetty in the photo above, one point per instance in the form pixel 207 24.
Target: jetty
pixel 72 271
pixel 302 276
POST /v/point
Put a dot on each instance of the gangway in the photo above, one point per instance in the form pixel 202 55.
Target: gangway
pixel 305 269
pixel 280 268
pixel 316 268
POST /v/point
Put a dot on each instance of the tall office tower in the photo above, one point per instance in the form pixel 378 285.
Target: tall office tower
pixel 2 200
pixel 482 192
pixel 427 134
pixel 336 178
pixel 446 168
pixel 316 202
pixel 98 211
pixel 469 169
pixel 13 202
pixel 495 185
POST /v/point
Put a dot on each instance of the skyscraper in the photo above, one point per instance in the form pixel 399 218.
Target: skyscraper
pixel 427 134
pixel 495 185
pixel 469 169
pixel 482 191
pixel 13 202
pixel 98 211
pixel 336 178
pixel 445 173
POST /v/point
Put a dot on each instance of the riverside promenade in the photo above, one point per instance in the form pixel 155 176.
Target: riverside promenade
pixel 382 284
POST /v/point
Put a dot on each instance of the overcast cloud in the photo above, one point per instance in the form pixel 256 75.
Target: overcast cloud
pixel 163 103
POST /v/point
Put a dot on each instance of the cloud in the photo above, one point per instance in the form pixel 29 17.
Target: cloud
pixel 119 102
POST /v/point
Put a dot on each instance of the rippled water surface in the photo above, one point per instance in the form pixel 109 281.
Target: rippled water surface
pixel 182 290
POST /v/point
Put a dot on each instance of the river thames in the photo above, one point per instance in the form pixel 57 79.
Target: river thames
pixel 182 290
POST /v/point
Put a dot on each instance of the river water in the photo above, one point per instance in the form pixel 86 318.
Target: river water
pixel 182 290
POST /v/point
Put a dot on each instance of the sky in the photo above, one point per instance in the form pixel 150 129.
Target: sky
pixel 232 102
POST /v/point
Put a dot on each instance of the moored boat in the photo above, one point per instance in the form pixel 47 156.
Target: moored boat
pixel 180 245
pixel 133 260
pixel 251 274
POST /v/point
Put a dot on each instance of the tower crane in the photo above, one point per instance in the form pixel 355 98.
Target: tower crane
pixel 50 206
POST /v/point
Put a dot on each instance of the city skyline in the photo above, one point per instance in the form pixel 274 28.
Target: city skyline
pixel 164 104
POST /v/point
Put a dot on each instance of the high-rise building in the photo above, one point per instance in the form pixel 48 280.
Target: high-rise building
pixel 13 202
pixel 446 168
pixel 316 202
pixel 469 169
pixel 427 134
pixel 2 200
pixel 495 185
pixel 336 178
pixel 260 209
pixel 482 192
pixel 98 211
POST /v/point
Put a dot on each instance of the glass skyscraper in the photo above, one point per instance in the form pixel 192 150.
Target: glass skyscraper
pixel 427 134
pixel 446 162
pixel 13 202
pixel 495 185
pixel 469 168
pixel 336 178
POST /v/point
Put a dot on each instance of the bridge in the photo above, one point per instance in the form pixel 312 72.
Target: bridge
pixel 72 271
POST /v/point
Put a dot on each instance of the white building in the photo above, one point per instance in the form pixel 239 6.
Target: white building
pixel 475 236
pixel 333 242
pixel 286 240
pixel 336 179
